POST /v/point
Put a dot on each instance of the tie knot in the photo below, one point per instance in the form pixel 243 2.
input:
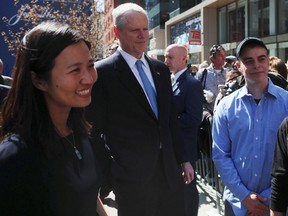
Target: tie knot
pixel 139 64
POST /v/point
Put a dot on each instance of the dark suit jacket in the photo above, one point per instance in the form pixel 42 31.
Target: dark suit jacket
pixel 120 110
pixel 188 100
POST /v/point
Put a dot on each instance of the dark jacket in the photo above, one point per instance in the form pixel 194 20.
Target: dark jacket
pixel 121 112
pixel 188 99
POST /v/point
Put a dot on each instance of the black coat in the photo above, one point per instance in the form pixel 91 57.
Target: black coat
pixel 188 99
pixel 121 111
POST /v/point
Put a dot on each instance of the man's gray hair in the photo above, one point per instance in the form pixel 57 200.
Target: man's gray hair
pixel 119 13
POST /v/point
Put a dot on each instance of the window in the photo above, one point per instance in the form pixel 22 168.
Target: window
pixel 222 25
pixel 262 18
pixel 232 22
pixel 282 16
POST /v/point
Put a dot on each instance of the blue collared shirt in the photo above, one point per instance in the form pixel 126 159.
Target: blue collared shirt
pixel 244 136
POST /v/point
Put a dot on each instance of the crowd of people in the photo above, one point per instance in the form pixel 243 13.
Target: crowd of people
pixel 70 126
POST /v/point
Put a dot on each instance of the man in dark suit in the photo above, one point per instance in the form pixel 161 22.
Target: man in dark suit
pixel 145 145
pixel 188 99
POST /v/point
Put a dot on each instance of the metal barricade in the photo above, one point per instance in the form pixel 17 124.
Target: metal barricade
pixel 206 171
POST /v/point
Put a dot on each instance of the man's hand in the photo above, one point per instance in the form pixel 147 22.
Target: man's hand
pixel 255 204
pixel 187 172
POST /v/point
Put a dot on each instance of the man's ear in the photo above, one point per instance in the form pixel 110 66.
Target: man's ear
pixel 115 29
pixel 211 59
pixel 38 83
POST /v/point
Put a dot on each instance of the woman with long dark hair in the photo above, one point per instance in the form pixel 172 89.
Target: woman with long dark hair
pixel 47 163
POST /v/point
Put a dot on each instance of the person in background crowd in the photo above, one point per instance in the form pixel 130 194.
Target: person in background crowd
pixel 230 85
pixel 244 133
pixel 138 122
pixel 188 99
pixel 193 69
pixel 278 66
pixel 230 60
pixel 279 190
pixel 47 163
pixel 213 76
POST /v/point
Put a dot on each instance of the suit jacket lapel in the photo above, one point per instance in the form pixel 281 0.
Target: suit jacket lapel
pixel 128 79
pixel 179 82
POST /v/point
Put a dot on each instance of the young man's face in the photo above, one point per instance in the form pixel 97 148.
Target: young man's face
pixel 254 64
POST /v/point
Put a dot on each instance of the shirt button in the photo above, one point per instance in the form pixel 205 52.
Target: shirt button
pixel 257 138
pixel 255 174
pixel 256 156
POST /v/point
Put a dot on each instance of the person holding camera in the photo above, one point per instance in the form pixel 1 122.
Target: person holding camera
pixel 230 85
pixel 213 76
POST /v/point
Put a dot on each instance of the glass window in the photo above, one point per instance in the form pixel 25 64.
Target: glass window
pixel 240 21
pixel 283 51
pixel 253 18
pixel 154 21
pixel 222 20
pixel 282 16
pixel 262 19
pixel 150 4
pixel 232 23
pixel 268 18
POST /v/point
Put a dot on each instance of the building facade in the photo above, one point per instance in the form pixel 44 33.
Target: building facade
pixel 225 22
pixel 159 12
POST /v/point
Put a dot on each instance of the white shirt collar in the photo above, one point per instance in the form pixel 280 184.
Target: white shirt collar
pixel 131 60
pixel 178 74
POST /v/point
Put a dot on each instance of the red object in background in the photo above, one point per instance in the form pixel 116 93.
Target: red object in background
pixel 194 37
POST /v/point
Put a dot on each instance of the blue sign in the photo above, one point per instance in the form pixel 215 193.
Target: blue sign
pixel 8 10
pixel 15 22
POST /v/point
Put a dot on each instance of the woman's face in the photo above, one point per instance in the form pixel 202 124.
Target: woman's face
pixel 72 78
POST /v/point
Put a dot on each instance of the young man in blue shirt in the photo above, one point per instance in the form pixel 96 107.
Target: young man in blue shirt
pixel 244 133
